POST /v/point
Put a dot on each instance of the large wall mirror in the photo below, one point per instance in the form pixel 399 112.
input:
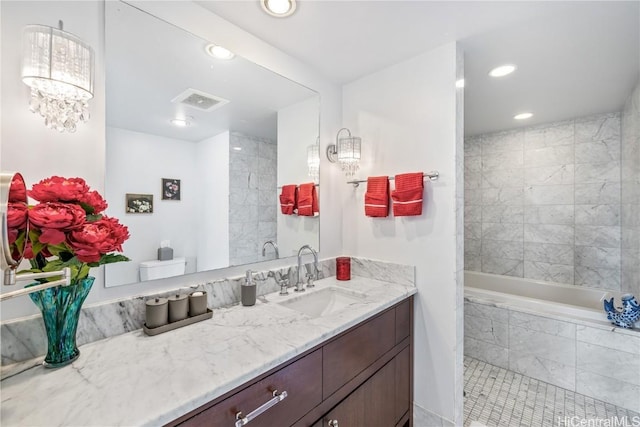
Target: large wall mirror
pixel 198 149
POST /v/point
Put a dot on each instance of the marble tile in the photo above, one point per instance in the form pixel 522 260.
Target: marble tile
pixel 472 180
pixel 490 353
pixel 473 230
pixel 472 197
pixel 503 214
pixel 472 247
pixel 503 196
pixel 549 214
pixel 249 146
pixel 591 256
pixel 506 267
pixel 472 213
pixel 549 175
pixel 267 213
pixel 603 127
pixel 503 141
pixel 486 330
pixel 472 263
pixel 243 196
pixel 486 312
pixel 502 249
pixel 600 151
pixel 550 371
pixel 242 180
pixel 267 167
pixel 473 146
pixel 607 193
pixel 268 149
pixel 558 273
pixel 609 389
pixel 266 182
pixel 614 340
pixel 424 418
pixel 382 270
pixel 268 197
pixel 497 178
pixel 542 324
pixel 543 233
pixel 601 360
pixel 549 156
pixel 597 172
pixel 242 163
pixel 548 195
pixel 267 230
pixel 472 164
pixel 524 341
pixel 600 236
pixel 549 253
pixel 242 230
pixel 597 215
pixel 501 231
pixel 597 277
pixel 560 133
pixel 499 160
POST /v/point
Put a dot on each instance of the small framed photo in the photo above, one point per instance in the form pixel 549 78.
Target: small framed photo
pixel 139 203
pixel 170 189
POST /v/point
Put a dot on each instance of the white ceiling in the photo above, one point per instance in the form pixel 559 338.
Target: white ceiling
pixel 573 58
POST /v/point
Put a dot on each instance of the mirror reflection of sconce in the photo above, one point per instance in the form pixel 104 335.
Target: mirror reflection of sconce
pixel 58 67
pixel 313 160
pixel 15 230
pixel 346 151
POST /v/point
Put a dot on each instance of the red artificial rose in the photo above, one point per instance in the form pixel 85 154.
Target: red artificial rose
pixel 59 189
pixel 54 219
pixel 94 239
pixel 16 215
pixel 17 190
pixel 94 200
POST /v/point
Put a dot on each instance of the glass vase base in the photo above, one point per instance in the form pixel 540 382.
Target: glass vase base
pixel 60 364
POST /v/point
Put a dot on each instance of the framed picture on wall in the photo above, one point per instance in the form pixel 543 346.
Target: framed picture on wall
pixel 139 203
pixel 170 189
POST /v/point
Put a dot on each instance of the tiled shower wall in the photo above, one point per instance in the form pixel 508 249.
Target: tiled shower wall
pixel 543 202
pixel 630 205
pixel 252 197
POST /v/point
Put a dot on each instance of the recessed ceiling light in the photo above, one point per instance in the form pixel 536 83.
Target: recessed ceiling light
pixel 237 148
pixel 219 52
pixel 523 116
pixel 279 8
pixel 502 70
pixel 180 122
pixel 460 83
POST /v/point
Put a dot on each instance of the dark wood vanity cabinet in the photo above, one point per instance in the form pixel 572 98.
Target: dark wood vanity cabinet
pixel 360 378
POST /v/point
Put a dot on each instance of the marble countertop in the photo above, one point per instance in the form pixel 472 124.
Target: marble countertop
pixel 135 379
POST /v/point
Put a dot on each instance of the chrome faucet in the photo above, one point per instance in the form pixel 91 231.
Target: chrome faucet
pixel 275 247
pixel 299 284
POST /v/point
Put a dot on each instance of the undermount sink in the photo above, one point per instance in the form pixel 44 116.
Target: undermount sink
pixel 323 301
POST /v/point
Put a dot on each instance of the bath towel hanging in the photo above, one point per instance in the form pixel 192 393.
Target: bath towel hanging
pixel 307 200
pixel 376 199
pixel 407 196
pixel 288 199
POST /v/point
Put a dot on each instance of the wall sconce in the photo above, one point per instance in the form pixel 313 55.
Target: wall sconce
pixel 346 151
pixel 58 67
pixel 313 160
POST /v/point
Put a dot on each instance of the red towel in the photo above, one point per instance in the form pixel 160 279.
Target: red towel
pixel 376 199
pixel 288 199
pixel 307 200
pixel 407 197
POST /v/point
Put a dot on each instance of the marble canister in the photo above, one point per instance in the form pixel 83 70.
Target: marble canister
pixel 157 312
pixel 178 307
pixel 197 303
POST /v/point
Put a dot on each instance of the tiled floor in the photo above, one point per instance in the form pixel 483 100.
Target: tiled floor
pixel 498 397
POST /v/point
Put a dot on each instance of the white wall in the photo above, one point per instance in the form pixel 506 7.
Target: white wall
pixel 406 117
pixel 27 146
pixel 297 129
pixel 136 163
pixel 212 234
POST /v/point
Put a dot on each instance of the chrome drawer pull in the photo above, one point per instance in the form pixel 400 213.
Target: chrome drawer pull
pixel 243 420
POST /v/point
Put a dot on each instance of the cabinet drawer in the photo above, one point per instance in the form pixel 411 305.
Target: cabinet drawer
pixel 347 356
pixel 301 380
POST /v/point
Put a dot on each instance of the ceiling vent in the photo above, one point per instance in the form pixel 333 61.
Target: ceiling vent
pixel 199 100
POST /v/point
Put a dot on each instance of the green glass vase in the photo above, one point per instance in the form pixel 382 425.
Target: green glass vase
pixel 60 308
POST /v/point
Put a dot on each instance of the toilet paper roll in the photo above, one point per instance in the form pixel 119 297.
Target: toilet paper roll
pixel 178 307
pixel 197 303
pixel 157 312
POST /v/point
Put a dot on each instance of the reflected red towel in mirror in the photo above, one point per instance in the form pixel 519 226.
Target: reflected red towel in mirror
pixel 307 200
pixel 376 199
pixel 288 198
pixel 407 196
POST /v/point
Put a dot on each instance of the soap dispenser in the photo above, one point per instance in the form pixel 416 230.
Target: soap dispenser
pixel 248 290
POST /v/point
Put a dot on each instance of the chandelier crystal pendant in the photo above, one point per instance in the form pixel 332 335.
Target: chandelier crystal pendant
pixel 58 67
pixel 313 160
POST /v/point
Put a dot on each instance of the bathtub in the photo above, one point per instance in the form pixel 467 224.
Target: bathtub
pixel 554 333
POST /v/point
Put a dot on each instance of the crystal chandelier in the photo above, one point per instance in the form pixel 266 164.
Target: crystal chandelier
pixel 346 151
pixel 58 67
pixel 313 160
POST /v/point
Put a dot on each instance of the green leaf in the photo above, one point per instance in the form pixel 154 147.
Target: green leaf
pixel 54 265
pixel 87 208
pixel 93 218
pixel 111 258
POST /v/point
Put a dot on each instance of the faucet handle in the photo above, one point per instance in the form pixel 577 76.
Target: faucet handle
pixel 310 279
